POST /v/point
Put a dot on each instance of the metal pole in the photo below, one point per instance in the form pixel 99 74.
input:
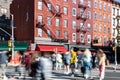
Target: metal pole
pixel 115 57
pixel 12 38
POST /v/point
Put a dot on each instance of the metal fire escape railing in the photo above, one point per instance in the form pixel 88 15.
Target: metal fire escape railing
pixel 83 18
pixel 43 24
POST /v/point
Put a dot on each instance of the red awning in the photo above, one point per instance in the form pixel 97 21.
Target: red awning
pixel 52 48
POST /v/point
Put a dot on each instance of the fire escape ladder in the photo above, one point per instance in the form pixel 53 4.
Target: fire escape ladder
pixel 53 10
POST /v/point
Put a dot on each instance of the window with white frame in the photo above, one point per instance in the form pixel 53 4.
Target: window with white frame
pixel 58 8
pixel 100 5
pixel 39 18
pixel 89 4
pixel 89 27
pixel 108 30
pixel 89 15
pixel 74 11
pixel 49 22
pixel 73 37
pixel 65 23
pixel 58 33
pixel 81 25
pixel 113 11
pixel 49 5
pixel 105 40
pixel 88 38
pixel 81 37
pixel 65 10
pixel 81 1
pixel 95 4
pixel 95 27
pixel 65 0
pixel 81 12
pixel 74 1
pixel 65 34
pixel 57 21
pixel 100 39
pixel 74 24
pixel 113 21
pixel 40 5
pixel 3 10
pixel 104 17
pixel 118 12
pixel 39 32
pixel 49 33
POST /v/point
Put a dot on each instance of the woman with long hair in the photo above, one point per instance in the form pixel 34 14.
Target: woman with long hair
pixel 101 62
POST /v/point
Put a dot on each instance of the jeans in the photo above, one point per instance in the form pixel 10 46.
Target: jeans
pixel 87 67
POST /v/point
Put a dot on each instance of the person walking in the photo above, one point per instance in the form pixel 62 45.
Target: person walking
pixel 86 63
pixel 73 62
pixel 94 60
pixel 66 60
pixel 101 62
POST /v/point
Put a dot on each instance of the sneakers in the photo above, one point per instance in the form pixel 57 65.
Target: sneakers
pixel 86 76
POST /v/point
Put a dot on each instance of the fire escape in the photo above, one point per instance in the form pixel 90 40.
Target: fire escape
pixel 82 29
pixel 43 25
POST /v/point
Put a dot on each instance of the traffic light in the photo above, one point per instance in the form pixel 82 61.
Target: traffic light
pixel 9 43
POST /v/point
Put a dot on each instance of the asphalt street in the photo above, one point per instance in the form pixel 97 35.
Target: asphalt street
pixel 111 74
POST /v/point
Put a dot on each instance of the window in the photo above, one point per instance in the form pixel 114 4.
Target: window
pixel 65 34
pixel 57 22
pixel 89 27
pixel 65 10
pixel 109 19
pixel 100 17
pixel 3 10
pixel 74 11
pixel 104 29
pixel 39 18
pixel 74 1
pixel 89 15
pixel 81 37
pixel 118 12
pixel 74 24
pixel 113 21
pixel 104 17
pixel 81 1
pixel 100 6
pixel 58 8
pixel 95 15
pixel 113 11
pixel 108 30
pixel 39 32
pixel 109 9
pixel 65 0
pixel 65 23
pixel 49 22
pixel 105 40
pixel 58 33
pixel 49 7
pixel 100 39
pixel 89 3
pixel 81 12
pixel 95 4
pixel 39 5
pixel 49 33
pixel 89 38
pixel 74 37
pixel 81 25
pixel 104 6
pixel 95 27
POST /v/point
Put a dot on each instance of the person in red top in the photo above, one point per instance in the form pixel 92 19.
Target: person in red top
pixel 27 61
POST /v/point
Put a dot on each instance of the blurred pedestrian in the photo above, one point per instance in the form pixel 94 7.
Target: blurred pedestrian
pixel 3 62
pixel 43 67
pixel 101 62
pixel 53 58
pixel 66 60
pixel 94 60
pixel 27 61
pixel 73 61
pixel 87 63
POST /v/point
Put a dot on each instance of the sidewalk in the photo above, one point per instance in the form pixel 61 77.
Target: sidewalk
pixel 113 66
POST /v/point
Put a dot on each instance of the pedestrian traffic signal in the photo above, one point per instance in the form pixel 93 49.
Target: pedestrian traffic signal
pixel 9 43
